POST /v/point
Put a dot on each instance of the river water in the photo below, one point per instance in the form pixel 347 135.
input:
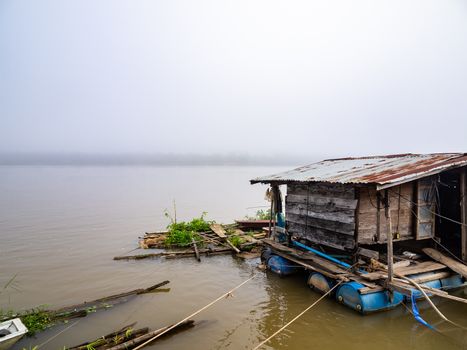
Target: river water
pixel 60 227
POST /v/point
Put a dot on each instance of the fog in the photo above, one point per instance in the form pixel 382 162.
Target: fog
pixel 232 79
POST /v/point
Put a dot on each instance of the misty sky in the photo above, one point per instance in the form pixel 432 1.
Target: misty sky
pixel 242 77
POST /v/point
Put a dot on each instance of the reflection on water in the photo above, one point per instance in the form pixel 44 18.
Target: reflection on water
pixel 61 226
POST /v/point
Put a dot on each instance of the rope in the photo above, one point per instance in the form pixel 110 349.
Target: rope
pixel 431 211
pixel 296 317
pixel 447 250
pixel 56 335
pixel 431 302
pixel 303 312
pixel 193 314
pixel 434 240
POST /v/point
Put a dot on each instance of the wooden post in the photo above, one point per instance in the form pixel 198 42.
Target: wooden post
pixel 275 189
pixel 378 216
pixel 357 211
pixel 270 212
pixel 195 247
pixel 463 193
pixel 389 236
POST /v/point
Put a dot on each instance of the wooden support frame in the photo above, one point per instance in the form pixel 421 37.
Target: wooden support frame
pixel 463 196
pixel 387 211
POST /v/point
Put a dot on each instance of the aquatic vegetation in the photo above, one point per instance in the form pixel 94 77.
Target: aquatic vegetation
pixel 36 320
pixel 182 233
pixel 181 238
pixel 260 215
pixel 236 241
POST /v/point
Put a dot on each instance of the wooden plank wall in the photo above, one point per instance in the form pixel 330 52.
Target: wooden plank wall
pixel 401 214
pixel 322 213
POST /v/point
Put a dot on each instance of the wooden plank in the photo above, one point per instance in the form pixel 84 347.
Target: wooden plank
pixel 323 200
pixel 360 280
pixel 371 224
pixel 406 289
pixel 347 229
pixel 369 290
pixel 195 247
pixel 389 238
pixel 368 253
pixel 234 248
pixel 311 267
pixel 321 236
pixel 432 277
pixel 218 230
pixel 321 212
pixel 454 265
pixel 422 267
pixel 463 194
pixel 322 189
pixel 307 255
pixel 288 253
pixel 374 276
pixel 356 218
pixel 437 292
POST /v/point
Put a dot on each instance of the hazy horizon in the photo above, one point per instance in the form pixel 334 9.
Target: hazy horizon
pixel 308 79
pixel 153 159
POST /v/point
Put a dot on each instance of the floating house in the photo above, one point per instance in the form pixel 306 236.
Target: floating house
pixel 406 214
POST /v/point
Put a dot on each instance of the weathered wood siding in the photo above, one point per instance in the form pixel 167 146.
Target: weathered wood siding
pixel 402 218
pixel 322 213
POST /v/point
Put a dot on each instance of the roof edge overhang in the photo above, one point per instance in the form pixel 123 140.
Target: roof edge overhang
pixel 413 177
pixel 379 185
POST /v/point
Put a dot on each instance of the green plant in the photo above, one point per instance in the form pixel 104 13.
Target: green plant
pixel 36 320
pixel 91 309
pixel 181 238
pixel 182 233
pixel 236 241
pixel 263 214
pixel 260 215
pixel 128 333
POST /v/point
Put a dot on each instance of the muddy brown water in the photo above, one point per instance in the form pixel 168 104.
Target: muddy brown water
pixel 60 227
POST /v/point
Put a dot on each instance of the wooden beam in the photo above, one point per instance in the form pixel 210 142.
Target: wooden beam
pixel 463 193
pixel 378 217
pixel 323 200
pixel 449 262
pixel 389 236
pixel 312 268
pixel 218 230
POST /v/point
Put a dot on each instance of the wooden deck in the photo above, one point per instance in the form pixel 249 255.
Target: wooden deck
pixel 372 281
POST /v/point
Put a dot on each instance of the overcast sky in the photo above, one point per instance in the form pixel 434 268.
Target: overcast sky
pixel 236 77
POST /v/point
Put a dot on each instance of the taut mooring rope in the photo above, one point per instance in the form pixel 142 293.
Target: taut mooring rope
pixel 296 317
pixel 193 314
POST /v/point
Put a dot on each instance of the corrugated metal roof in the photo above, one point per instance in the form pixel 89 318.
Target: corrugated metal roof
pixel 381 170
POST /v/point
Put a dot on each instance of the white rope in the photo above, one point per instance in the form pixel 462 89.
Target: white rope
pixel 431 303
pixel 56 335
pixel 296 317
pixel 193 314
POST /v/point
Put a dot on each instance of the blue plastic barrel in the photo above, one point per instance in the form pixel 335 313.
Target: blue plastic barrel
pixel 281 266
pixel 349 295
pixel 320 282
pixel 452 282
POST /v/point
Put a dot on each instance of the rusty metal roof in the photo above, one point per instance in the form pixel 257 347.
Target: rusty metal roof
pixel 384 171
